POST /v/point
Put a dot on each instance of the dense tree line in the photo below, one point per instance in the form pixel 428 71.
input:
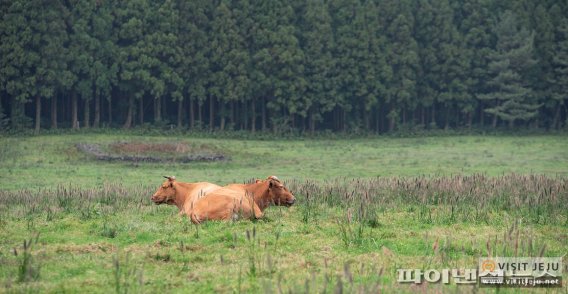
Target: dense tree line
pixel 343 65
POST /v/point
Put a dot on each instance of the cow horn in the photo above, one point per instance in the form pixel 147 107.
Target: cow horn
pixel 171 178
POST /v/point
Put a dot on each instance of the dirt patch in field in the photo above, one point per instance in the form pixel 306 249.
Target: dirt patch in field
pixel 85 248
pixel 152 152
pixel 142 148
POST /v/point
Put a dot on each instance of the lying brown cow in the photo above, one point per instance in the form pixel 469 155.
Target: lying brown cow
pixel 231 203
pixel 182 195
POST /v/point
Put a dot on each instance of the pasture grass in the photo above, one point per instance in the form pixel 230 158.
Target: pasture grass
pixel 51 160
pixel 113 239
pixel 69 223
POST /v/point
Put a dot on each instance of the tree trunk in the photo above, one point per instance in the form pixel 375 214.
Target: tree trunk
pixel 17 113
pixel 128 122
pixel 263 109
pixel 191 113
pixel 222 112
pixel 211 113
pixel 556 118
pixel 232 116
pixel 335 115
pixel 391 124
pixel 87 114
pixel 253 116
pixel 563 118
pixel 423 116
pixel 54 112
pixel 377 121
pixel 245 115
pixel 37 114
pixel 343 120
pixel 180 114
pixel 292 120
pixel 367 119
pixel 110 110
pixel 312 123
pixel 141 111
pixel 74 120
pixel 469 120
pixel 380 120
pixel 447 126
pixel 481 115
pixel 200 113
pixel 158 109
pixel 494 123
pixel 97 120
pixel 433 121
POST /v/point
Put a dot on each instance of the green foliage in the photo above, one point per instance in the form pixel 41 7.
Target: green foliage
pixel 559 78
pixel 339 65
pixel 319 63
pixel 508 66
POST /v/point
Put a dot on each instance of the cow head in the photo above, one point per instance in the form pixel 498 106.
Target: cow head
pixel 166 193
pixel 279 194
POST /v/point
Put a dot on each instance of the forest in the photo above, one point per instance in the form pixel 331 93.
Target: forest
pixel 319 65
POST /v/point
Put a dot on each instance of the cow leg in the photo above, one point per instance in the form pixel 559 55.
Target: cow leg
pixel 257 212
pixel 195 219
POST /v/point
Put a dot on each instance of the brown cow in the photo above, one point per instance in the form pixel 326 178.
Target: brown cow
pixel 228 203
pixel 182 195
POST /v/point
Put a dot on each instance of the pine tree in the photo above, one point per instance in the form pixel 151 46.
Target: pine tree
pixel 161 55
pixel 277 60
pixel 105 65
pixel 403 58
pixel 244 110
pixel 194 67
pixel 134 77
pixel 349 25
pixel 288 80
pixel 319 64
pixel 544 51
pixel 80 58
pixel 443 66
pixel 559 81
pixel 476 26
pixel 511 58
pixel 374 69
pixel 229 60
pixel 33 34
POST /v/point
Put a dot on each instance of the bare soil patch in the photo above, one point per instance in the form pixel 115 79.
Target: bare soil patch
pixel 152 152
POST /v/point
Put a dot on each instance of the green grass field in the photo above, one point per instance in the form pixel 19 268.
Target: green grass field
pixel 48 161
pixel 366 207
